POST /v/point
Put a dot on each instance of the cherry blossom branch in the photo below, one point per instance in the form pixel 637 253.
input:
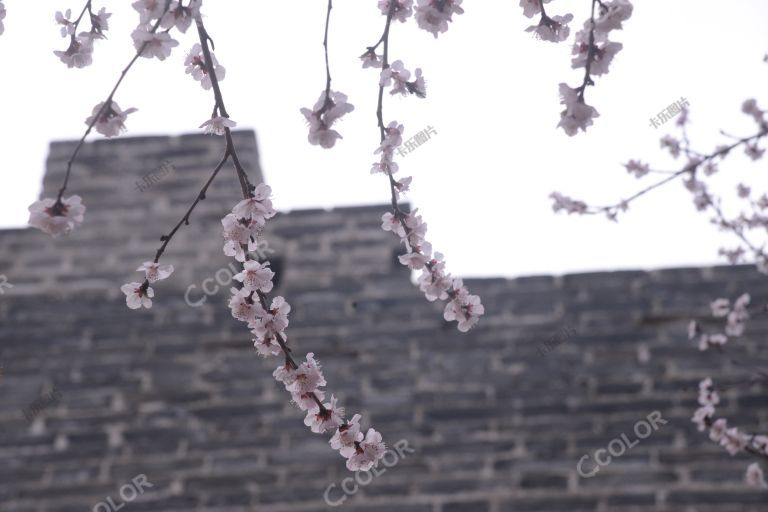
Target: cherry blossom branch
pixel 105 108
pixel 466 309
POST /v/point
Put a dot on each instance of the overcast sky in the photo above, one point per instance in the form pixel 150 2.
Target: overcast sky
pixel 482 183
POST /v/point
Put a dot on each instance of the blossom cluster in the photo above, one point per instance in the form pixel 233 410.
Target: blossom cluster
pixel 732 439
pixel 329 108
pixel 592 50
pixel 152 13
pixel 267 324
pixel 434 282
pixel 138 295
pixel 397 76
pixel 736 316
pixel 79 54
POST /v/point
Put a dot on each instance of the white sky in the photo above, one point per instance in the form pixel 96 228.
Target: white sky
pixel 492 95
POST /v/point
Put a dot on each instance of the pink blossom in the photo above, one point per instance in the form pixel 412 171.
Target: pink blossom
pixel 554 29
pixel 155 271
pixel 218 125
pixel 256 276
pixel 612 15
pixel 466 309
pixel 755 477
pixel 308 401
pixel 195 65
pixel 532 7
pixel 180 16
pixel 67 27
pixel 258 207
pixel 111 120
pixel 637 168
pixel 672 144
pixel 149 9
pixel 434 15
pixel 137 295
pixel 239 232
pixel 321 420
pixel 367 453
pixel 273 321
pixel 327 110
pixel 402 10
pixel 80 52
pixel 307 377
pixel 153 44
pixel 602 53
pixel 346 436
pixel 733 441
pixel 577 114
pixel 701 416
pixel 371 59
pixel 717 430
pixel 561 202
pixel 243 306
pixel 56 218
pixel 267 345
pixel 433 281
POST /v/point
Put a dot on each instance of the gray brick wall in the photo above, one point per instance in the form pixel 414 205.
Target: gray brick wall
pixel 498 418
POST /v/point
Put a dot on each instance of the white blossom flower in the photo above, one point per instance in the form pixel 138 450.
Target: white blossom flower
pixel 672 144
pixel 433 281
pixel 577 114
pixel 266 345
pixel 218 125
pixel 137 295
pixel 346 436
pixel 111 121
pixel 56 218
pixel 398 76
pixel 434 15
pixel 153 44
pixel 561 202
pixel 155 271
pixel 272 321
pixel 239 232
pixel 367 453
pixel 100 22
pixel 195 65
